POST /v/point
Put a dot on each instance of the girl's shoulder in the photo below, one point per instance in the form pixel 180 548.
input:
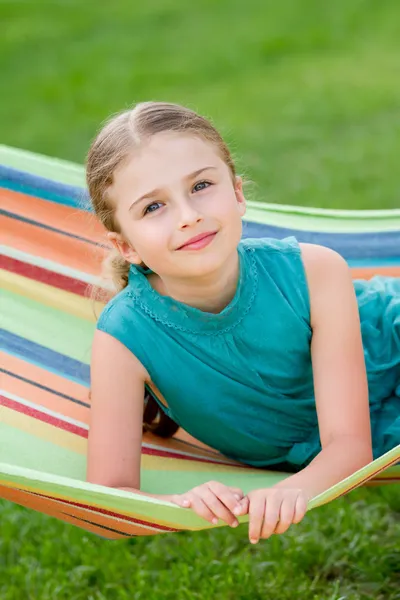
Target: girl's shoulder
pixel 116 309
pixel 281 272
pixel 277 255
pixel 271 245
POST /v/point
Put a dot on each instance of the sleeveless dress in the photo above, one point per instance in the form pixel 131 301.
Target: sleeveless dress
pixel 241 380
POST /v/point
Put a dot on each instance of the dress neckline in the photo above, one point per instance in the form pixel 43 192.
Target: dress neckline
pixel 184 317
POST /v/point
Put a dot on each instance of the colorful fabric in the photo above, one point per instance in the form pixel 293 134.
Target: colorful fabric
pixel 51 249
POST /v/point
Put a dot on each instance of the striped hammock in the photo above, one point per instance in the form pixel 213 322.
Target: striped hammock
pixel 51 249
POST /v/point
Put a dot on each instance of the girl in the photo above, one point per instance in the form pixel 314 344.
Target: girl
pixel 264 349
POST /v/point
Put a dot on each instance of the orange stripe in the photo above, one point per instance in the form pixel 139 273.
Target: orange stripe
pixel 45 399
pixel 57 509
pixel 65 500
pixel 66 218
pixel 52 246
pixel 369 272
pixel 45 507
pixel 43 377
pixel 121 525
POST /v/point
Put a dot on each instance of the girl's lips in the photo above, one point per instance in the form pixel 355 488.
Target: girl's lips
pixel 202 243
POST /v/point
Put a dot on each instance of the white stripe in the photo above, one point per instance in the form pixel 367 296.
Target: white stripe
pixel 44 410
pixel 50 265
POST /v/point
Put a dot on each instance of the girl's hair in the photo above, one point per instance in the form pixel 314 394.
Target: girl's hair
pixel 112 148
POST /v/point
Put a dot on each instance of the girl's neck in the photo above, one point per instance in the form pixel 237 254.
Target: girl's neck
pixel 208 294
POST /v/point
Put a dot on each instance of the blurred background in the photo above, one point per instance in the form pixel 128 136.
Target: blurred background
pixel 307 94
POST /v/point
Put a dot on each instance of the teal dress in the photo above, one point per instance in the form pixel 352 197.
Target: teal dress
pixel 241 380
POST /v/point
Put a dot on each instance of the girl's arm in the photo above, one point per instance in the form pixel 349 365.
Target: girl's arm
pixel 340 382
pixel 115 434
pixel 116 415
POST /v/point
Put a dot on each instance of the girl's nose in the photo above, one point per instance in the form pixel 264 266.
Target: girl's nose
pixel 188 214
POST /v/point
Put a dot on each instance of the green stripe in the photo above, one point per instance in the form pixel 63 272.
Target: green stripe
pixel 22 449
pixel 345 485
pixel 47 326
pixel 107 498
pixel 178 482
pixel 328 212
pixel 147 508
pixel 37 164
pixel 321 223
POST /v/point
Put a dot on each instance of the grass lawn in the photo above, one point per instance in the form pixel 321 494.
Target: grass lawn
pixel 347 550
pixel 308 94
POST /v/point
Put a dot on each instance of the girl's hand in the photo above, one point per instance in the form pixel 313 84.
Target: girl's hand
pixel 213 501
pixel 273 510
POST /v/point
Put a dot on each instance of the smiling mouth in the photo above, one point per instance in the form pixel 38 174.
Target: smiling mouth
pixel 199 244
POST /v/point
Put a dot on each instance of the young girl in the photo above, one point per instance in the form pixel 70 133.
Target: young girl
pixel 264 349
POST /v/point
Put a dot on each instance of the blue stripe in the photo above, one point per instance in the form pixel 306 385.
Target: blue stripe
pixel 384 244
pixel 41 356
pixel 375 262
pixel 19 181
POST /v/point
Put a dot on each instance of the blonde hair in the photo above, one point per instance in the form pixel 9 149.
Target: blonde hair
pixel 113 147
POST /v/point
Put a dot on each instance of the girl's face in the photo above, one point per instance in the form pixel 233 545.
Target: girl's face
pixel 173 189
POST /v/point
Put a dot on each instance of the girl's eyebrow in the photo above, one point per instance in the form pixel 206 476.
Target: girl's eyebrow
pixel 157 190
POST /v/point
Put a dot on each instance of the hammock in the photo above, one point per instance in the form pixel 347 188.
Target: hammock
pixel 51 250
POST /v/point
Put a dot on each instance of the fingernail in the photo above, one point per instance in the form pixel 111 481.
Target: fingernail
pixel 238 497
pixel 185 503
pixel 235 524
pixel 253 540
pixel 215 521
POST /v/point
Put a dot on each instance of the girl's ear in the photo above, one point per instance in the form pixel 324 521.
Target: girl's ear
pixel 241 200
pixel 124 248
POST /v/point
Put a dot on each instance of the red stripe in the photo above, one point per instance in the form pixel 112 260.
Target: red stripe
pixel 103 511
pixel 41 416
pixel 75 429
pixel 63 282
pixel 166 454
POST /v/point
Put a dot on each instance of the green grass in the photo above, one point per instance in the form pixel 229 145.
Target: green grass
pixel 347 550
pixel 307 93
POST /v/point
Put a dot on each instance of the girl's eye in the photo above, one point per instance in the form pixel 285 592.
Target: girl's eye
pixel 147 209
pixel 202 185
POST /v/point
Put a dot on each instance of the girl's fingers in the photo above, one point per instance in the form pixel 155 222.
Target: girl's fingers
pixel 225 495
pixel 272 514
pixel 218 508
pixel 214 501
pixel 201 508
pixel 237 492
pixel 181 500
pixel 287 512
pixel 300 508
pixel 245 505
pixel 256 513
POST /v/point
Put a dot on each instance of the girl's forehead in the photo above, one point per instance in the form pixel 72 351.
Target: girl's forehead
pixel 164 159
pixel 172 156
